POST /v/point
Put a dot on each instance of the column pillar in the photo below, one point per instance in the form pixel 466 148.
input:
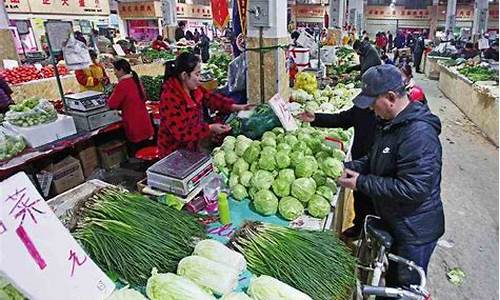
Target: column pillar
pixel 356 14
pixel 480 24
pixel 275 74
pixel 336 11
pixel 451 11
pixel 169 12
pixel 7 47
pixel 434 19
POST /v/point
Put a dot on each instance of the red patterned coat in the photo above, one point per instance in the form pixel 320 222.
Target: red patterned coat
pixel 181 116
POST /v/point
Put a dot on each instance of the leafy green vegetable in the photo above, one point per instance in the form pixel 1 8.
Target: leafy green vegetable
pixel 281 187
pixel 262 180
pixel 290 208
pixel 239 192
pixel 306 167
pixel 125 294
pixel 245 178
pixel 266 287
pixel 265 202
pixel 325 192
pixel 318 206
pixel 282 159
pixel 218 252
pixel 287 174
pixel 173 287
pixel 332 167
pixel 303 189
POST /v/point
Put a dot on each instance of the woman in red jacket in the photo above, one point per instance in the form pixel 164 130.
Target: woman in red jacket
pixel 415 93
pixel 181 107
pixel 128 96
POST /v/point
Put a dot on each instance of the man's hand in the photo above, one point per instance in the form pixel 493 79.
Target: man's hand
pixel 219 128
pixel 349 179
pixel 240 107
pixel 307 117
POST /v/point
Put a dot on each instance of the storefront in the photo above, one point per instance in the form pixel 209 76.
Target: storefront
pixel 309 15
pixel 197 17
pixel 142 19
pixel 27 18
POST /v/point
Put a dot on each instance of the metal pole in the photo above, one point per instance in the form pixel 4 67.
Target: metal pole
pixel 56 71
pixel 261 58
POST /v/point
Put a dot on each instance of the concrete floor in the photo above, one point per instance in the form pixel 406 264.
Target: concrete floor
pixel 470 197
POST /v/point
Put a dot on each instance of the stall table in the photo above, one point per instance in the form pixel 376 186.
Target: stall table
pixel 431 66
pixel 478 101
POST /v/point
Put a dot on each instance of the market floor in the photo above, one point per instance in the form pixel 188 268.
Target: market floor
pixel 470 197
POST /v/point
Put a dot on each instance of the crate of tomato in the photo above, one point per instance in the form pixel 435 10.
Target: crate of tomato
pixel 28 73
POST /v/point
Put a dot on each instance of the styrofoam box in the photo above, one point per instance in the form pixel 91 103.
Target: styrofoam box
pixel 39 135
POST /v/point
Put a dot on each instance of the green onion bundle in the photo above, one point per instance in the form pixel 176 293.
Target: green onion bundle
pixel 314 262
pixel 127 234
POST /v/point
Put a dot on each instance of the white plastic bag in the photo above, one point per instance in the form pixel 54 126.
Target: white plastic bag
pixel 31 112
pixel 76 54
pixel 237 75
pixel 10 143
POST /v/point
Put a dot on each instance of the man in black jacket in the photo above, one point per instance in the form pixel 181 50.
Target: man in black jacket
pixel 364 123
pixel 402 172
pixel 419 51
pixel 368 56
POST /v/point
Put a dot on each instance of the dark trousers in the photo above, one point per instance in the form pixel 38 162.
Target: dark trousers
pixel 417 58
pixel 398 275
pixel 363 206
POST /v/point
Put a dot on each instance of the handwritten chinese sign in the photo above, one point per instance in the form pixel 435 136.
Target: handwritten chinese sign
pixel 73 7
pixel 45 262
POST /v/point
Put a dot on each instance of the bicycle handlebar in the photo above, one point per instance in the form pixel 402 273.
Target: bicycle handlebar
pixel 412 265
pixel 368 290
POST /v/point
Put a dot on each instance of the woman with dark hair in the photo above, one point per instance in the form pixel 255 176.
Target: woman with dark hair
pixel 183 99
pixel 159 44
pixel 129 97
pixel 415 93
pixel 93 78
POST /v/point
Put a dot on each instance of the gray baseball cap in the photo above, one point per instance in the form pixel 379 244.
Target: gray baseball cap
pixel 377 81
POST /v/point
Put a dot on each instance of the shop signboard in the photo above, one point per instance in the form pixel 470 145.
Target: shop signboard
pixel 192 11
pixel 72 7
pixel 309 11
pixel 17 6
pixel 23 27
pixel 85 27
pixel 138 10
pixel 44 260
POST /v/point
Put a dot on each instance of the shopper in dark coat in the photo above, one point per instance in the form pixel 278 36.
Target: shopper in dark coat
pixel 402 172
pixel 179 31
pixel 368 56
pixel 204 45
pixel 5 96
pixel 419 51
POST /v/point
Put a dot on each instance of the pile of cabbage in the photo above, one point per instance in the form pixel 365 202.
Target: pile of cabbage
pixel 328 100
pixel 289 173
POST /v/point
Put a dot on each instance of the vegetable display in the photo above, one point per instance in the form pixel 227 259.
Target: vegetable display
pixel 288 167
pixel 152 87
pixel 479 73
pixel 218 252
pixel 218 65
pixel 126 294
pixel 306 81
pixel 269 288
pixel 10 144
pixel 8 291
pixel 31 112
pixel 150 55
pixel 168 286
pixel 328 100
pixel 314 262
pixel 28 73
pixel 127 234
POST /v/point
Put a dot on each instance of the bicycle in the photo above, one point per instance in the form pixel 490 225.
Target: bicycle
pixel 373 257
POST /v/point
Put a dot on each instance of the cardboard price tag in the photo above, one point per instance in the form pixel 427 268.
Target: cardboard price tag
pixel 44 260
pixel 280 108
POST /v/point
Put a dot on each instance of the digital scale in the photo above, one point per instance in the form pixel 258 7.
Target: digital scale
pixel 90 111
pixel 180 172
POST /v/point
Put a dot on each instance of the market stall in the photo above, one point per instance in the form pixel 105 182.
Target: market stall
pixel 142 20
pixel 474 89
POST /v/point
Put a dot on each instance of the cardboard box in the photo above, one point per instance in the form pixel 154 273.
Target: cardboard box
pixel 87 155
pixel 112 154
pixel 39 135
pixel 66 173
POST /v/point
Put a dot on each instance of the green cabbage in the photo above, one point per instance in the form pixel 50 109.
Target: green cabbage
pixel 269 288
pixel 338 154
pixel 265 202
pixel 287 174
pixel 262 180
pixel 240 166
pixel 303 189
pixel 230 157
pixel 241 146
pixel 325 192
pixel 278 130
pixel 239 192
pixel 267 162
pixel 268 151
pixel 332 167
pixel 245 178
pixel 295 157
pixel 282 159
pixel 290 140
pixel 254 166
pixel 268 142
pixel 318 207
pixel 319 177
pixel 209 274
pixel 306 167
pixel 172 287
pixel 251 153
pixel 284 147
pixel 300 146
pixel 229 143
pixel 332 184
pixel 269 134
pixel 290 208
pixel 252 191
pixel 281 187
pixel 322 155
pixel 233 180
pixel 219 160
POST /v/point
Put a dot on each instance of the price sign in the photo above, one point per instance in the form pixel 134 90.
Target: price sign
pixel 44 261
pixel 280 108
pixel 58 33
